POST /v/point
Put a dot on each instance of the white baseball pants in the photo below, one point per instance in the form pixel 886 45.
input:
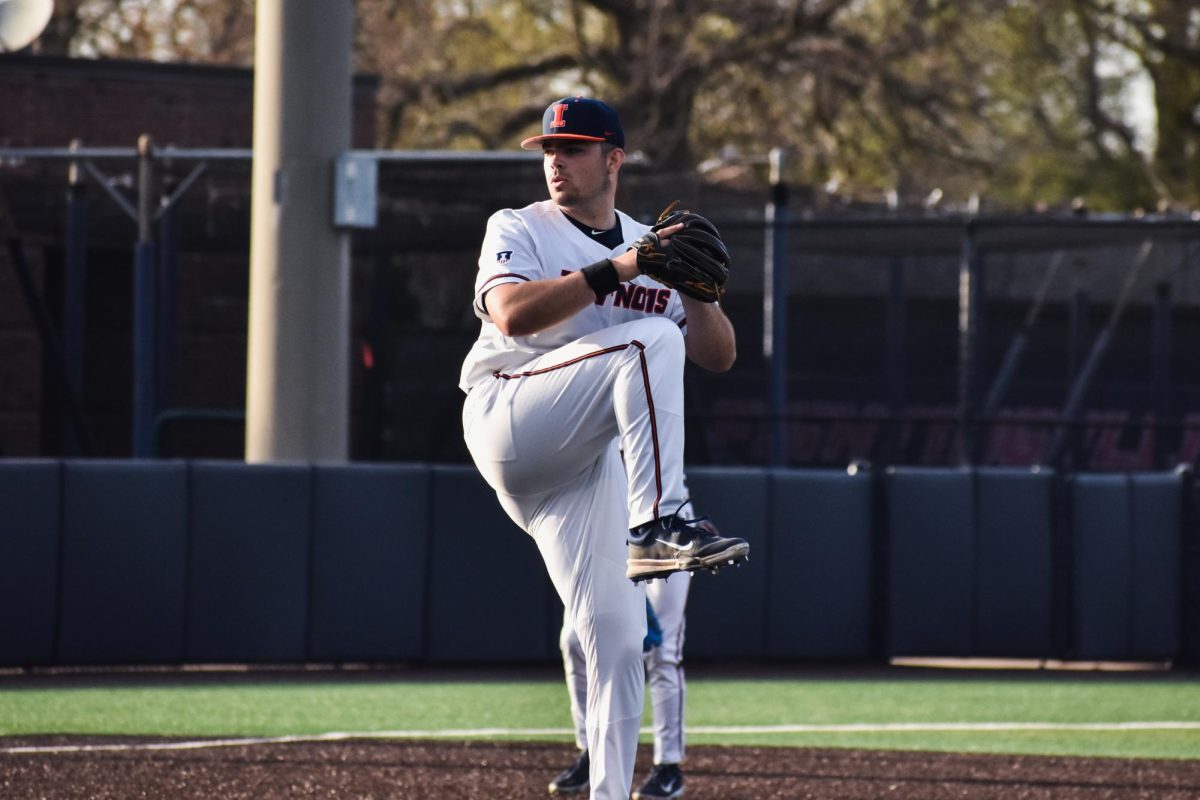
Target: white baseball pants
pixel 548 438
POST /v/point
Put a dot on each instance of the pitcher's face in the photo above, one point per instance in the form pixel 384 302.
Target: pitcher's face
pixel 578 173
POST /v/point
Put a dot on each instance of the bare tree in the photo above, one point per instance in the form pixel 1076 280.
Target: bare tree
pixel 1164 35
pixel 1017 100
pixel 210 31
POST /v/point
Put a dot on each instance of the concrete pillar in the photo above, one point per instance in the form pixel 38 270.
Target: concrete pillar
pixel 298 359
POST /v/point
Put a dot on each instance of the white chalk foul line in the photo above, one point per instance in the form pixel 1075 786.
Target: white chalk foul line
pixel 933 727
pixel 200 744
pixel 719 730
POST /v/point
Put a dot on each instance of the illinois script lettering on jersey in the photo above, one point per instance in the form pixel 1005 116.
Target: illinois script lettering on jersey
pixel 638 298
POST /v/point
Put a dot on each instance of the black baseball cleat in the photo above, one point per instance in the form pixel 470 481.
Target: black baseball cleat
pixel 574 779
pixel 673 544
pixel 665 783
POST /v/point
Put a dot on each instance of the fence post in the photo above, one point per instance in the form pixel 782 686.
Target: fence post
pixel 896 325
pixel 75 293
pixel 970 297
pixel 145 288
pixel 775 309
pixel 167 289
pixel 1160 360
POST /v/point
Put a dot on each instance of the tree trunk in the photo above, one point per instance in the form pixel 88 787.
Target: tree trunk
pixel 1176 99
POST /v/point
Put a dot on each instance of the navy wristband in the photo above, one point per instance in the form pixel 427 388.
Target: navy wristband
pixel 601 277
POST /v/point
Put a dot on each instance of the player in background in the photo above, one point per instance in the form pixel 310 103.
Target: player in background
pixel 580 359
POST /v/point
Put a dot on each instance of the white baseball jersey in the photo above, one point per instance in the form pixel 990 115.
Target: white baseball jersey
pixel 528 244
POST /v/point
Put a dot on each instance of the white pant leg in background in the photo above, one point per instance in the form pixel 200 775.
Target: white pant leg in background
pixel 664 667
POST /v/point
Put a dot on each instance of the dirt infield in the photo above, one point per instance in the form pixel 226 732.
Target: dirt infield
pixel 502 771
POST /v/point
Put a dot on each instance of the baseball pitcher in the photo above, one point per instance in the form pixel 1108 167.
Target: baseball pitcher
pixel 586 319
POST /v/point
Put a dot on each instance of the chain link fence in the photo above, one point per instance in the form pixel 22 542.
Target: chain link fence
pixel 1069 340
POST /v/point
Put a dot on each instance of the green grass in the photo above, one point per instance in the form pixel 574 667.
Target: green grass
pixel 287 705
pixel 285 708
pixel 1020 698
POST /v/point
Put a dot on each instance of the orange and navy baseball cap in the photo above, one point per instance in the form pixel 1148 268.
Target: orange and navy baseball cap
pixel 581 118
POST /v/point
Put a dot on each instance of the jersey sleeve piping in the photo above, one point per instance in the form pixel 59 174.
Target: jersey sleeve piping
pixel 492 283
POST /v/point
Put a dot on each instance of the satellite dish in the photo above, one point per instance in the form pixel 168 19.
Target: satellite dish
pixel 22 21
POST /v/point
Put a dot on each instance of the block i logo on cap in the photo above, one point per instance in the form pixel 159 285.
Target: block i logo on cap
pixel 580 118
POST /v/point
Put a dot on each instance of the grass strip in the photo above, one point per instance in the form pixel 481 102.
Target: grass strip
pixel 262 707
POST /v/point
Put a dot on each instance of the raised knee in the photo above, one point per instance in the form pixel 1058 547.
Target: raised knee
pixel 658 332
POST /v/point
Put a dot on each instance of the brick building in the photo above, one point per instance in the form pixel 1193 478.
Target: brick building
pixel 48 101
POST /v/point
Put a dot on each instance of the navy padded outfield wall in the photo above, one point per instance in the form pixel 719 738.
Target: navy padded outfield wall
pixel 370 552
pixel 489 596
pixel 167 562
pixel 1156 572
pixel 1127 549
pixel 1015 563
pixel 736 500
pixel 931 562
pixel 30 507
pixel 971 562
pixel 1189 574
pixel 249 542
pixel 820 591
pixel 124 559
